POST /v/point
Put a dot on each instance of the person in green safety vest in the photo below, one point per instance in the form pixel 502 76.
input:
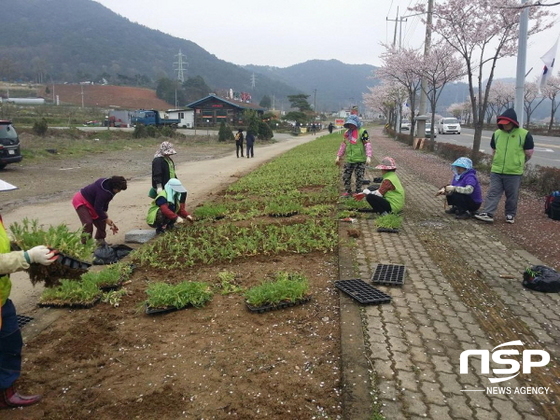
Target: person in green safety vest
pixel 167 209
pixel 11 342
pixel 163 169
pixel 389 197
pixel 357 148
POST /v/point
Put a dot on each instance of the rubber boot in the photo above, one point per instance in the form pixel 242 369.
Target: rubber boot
pixel 9 398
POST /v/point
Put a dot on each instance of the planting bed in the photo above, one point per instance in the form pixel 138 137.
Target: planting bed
pixel 219 361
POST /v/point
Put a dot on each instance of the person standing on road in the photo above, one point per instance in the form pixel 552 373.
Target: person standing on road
pixel 250 144
pixel 512 147
pixel 92 202
pixel 356 146
pixel 11 342
pixel 239 142
pixel 167 209
pixel 463 194
pixel 330 127
pixel 389 197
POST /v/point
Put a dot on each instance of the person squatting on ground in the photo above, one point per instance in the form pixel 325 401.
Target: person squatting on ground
pixel 239 142
pixel 92 203
pixel 11 342
pixel 512 147
pixel 464 194
pixel 167 209
pixel 389 197
pixel 357 147
pixel 250 139
pixel 163 168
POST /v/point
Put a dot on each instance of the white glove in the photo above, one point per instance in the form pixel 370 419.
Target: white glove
pixel 441 191
pixel 368 160
pixel 179 220
pixel 377 193
pixel 41 255
pixel 366 191
pixel 190 218
pixel 159 189
pixel 449 189
pixel 337 160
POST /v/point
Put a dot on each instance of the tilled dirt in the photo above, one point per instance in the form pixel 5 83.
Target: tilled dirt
pixel 220 361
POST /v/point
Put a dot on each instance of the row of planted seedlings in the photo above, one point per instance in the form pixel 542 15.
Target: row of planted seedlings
pixel 286 206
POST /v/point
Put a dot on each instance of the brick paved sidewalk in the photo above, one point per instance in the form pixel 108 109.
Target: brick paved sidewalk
pixel 453 299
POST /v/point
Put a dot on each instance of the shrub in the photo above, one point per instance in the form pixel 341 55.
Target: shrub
pixel 40 127
pixel 139 131
pixel 264 131
pixel 225 133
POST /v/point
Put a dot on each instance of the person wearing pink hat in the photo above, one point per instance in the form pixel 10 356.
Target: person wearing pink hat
pixel 512 147
pixel 11 342
pixel 357 148
pixel 389 197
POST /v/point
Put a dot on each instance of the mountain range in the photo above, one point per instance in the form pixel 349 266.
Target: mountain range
pixel 58 41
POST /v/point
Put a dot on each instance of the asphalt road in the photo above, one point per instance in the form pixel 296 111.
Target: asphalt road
pixel 547 149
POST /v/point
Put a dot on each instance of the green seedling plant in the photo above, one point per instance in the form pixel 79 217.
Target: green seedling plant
pixel 285 287
pixel 283 207
pixel 114 297
pixel 110 276
pixel 71 292
pixel 163 295
pixel 389 221
pixel 210 211
pixel 29 233
pixel 227 283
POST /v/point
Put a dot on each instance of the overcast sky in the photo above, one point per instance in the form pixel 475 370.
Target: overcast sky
pixel 289 32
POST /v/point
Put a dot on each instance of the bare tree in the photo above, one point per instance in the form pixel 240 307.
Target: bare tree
pixel 531 95
pixel 551 91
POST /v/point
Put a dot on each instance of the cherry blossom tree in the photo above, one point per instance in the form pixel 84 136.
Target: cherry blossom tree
pixel 551 90
pixel 398 68
pixel 501 97
pixel 438 68
pixel 531 100
pixel 386 98
pixel 482 32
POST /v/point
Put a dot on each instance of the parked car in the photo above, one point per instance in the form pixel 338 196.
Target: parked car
pixel 429 130
pixel 448 126
pixel 405 125
pixel 9 144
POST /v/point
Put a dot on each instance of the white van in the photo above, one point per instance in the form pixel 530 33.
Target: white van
pixel 448 126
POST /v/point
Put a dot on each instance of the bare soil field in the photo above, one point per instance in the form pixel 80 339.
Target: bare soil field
pixel 220 361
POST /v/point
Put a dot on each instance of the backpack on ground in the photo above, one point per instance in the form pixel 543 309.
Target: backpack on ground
pixel 552 205
pixel 542 279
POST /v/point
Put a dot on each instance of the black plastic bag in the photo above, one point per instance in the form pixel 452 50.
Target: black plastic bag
pixel 110 254
pixel 542 279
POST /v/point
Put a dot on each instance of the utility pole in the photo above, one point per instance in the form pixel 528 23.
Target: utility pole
pixel 253 81
pixel 82 96
pixel 423 97
pixel 394 20
pixel 521 62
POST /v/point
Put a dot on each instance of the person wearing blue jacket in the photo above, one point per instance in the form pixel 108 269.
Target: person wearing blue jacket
pixel 464 194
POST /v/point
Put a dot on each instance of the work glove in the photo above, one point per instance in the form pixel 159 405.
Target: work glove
pixel 368 160
pixel 179 220
pixel 449 189
pixel 337 160
pixel 367 191
pixel 441 191
pixel 378 180
pixel 190 218
pixel 41 255
pixel 159 189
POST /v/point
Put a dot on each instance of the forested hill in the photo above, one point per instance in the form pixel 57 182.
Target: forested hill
pixel 78 40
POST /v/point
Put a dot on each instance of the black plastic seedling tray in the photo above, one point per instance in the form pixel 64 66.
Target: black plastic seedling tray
pixel 23 320
pixel 73 263
pixel 362 292
pixel 388 274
